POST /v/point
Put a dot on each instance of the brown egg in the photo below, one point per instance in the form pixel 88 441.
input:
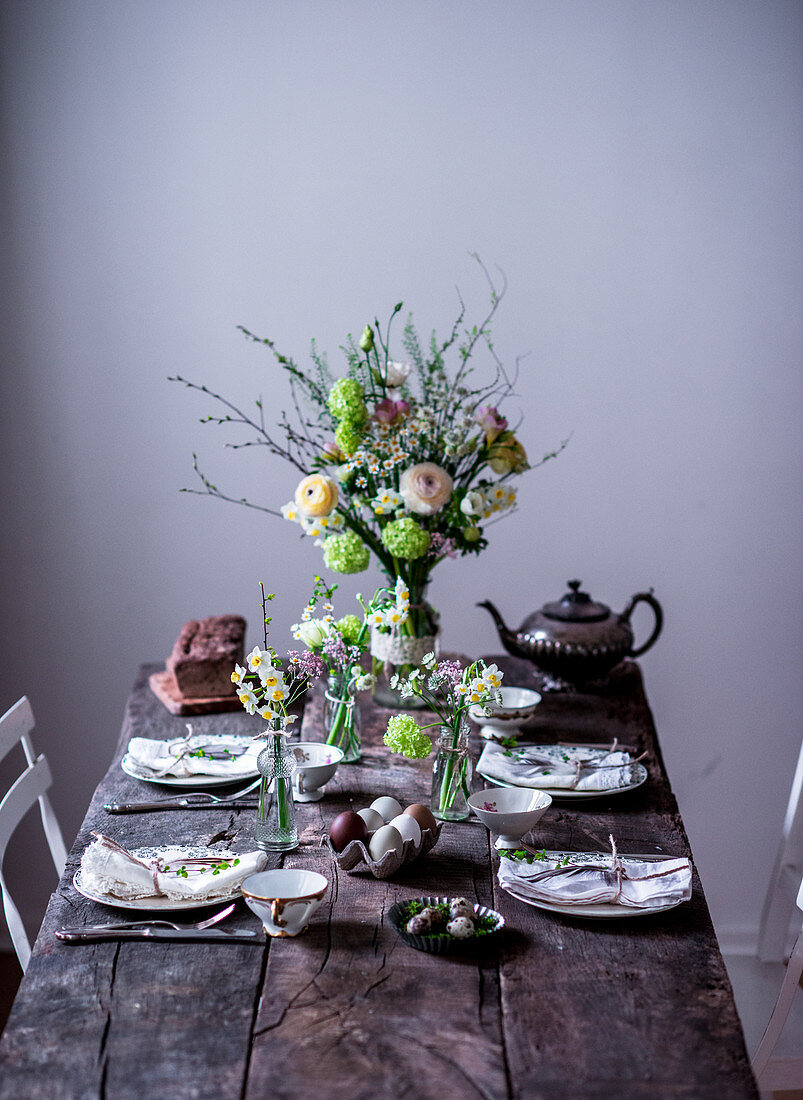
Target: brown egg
pixel 422 815
pixel 346 827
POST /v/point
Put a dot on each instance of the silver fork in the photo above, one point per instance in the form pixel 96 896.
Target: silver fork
pixel 214 797
pixel 123 925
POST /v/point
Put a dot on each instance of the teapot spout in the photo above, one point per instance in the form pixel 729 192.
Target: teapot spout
pixel 507 637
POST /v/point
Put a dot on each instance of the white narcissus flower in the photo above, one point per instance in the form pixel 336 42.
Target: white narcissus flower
pixel 270 676
pixel 277 694
pixel 239 674
pixel 248 699
pixel 289 511
pixel 492 676
pixel 425 488
pixel 394 374
pixel 257 658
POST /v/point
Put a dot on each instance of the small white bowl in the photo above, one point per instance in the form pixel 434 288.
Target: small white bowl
pixel 509 812
pixel 517 707
pixel 316 763
pixel 284 899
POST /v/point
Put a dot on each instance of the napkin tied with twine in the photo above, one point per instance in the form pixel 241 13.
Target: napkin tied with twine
pixel 109 868
pixel 559 767
pixel 590 878
pixel 176 758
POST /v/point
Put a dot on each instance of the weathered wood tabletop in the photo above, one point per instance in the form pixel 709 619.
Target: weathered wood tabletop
pixel 561 1007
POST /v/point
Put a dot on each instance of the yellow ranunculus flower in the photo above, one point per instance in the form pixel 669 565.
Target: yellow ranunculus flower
pixel 316 495
pixel 506 455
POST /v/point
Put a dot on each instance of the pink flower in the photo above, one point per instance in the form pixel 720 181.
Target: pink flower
pixel 490 421
pixel 491 806
pixel 387 411
pixel 425 488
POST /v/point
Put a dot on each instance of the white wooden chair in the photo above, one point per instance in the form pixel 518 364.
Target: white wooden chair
pixel 779 904
pixel 781 1074
pixel 30 786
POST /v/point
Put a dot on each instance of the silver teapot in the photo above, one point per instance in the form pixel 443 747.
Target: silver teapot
pixel 576 639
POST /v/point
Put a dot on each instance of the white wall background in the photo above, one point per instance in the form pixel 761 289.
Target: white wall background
pixel 176 169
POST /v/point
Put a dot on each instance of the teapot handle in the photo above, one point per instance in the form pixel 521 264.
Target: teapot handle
pixel 646 597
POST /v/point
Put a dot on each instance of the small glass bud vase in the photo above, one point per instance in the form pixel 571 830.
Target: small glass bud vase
pixel 451 774
pixel 276 829
pixel 342 720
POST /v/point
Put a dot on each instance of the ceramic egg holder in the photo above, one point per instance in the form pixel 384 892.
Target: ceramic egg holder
pixel 356 857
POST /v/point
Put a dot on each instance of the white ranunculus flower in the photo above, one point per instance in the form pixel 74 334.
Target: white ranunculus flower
pixel 473 503
pixel 425 488
pixel 314 633
pixel 395 374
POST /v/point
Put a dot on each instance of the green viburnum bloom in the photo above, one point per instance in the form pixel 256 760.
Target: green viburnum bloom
pixel 346 401
pixel 348 436
pixel 405 539
pixel 404 735
pixel 345 553
pixel 349 626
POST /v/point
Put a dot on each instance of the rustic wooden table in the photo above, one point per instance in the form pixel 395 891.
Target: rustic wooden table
pixel 562 1007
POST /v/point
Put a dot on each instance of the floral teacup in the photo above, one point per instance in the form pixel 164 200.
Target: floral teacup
pixel 315 765
pixel 284 899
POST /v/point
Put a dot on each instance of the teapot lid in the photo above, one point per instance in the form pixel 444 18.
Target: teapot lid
pixel 576 607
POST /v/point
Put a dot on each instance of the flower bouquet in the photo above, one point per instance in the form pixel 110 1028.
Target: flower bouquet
pixel 265 689
pixel 449 690
pixel 402 460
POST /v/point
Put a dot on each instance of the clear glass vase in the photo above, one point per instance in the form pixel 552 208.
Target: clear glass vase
pixel 342 721
pixel 452 770
pixel 400 651
pixel 276 829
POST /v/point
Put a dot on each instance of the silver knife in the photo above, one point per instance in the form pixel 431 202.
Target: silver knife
pixel 207 935
pixel 178 804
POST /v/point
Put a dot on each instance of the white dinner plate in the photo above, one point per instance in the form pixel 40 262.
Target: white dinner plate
pixel 156 904
pixel 239 775
pixel 596 910
pixel 563 793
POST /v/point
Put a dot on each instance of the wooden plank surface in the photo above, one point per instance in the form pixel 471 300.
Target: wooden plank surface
pixel 563 1008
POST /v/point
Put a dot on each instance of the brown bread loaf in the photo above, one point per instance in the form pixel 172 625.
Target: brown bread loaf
pixel 205 654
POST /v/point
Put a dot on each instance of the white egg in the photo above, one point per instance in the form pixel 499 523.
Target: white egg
pixel 386 839
pixel 386 806
pixel 408 827
pixel 372 819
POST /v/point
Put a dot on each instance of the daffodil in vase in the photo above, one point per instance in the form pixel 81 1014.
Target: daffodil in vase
pixel 448 689
pixel 265 688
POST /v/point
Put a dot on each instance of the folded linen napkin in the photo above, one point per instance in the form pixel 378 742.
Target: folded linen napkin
pixel 196 754
pixel 592 878
pixel 173 873
pixel 563 767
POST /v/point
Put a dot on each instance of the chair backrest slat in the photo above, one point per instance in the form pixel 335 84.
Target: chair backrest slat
pixel 28 789
pixel 15 725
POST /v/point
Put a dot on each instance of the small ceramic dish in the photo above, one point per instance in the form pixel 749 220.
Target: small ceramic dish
pixel 509 812
pixel 356 857
pixel 517 708
pixel 316 763
pixel 444 944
